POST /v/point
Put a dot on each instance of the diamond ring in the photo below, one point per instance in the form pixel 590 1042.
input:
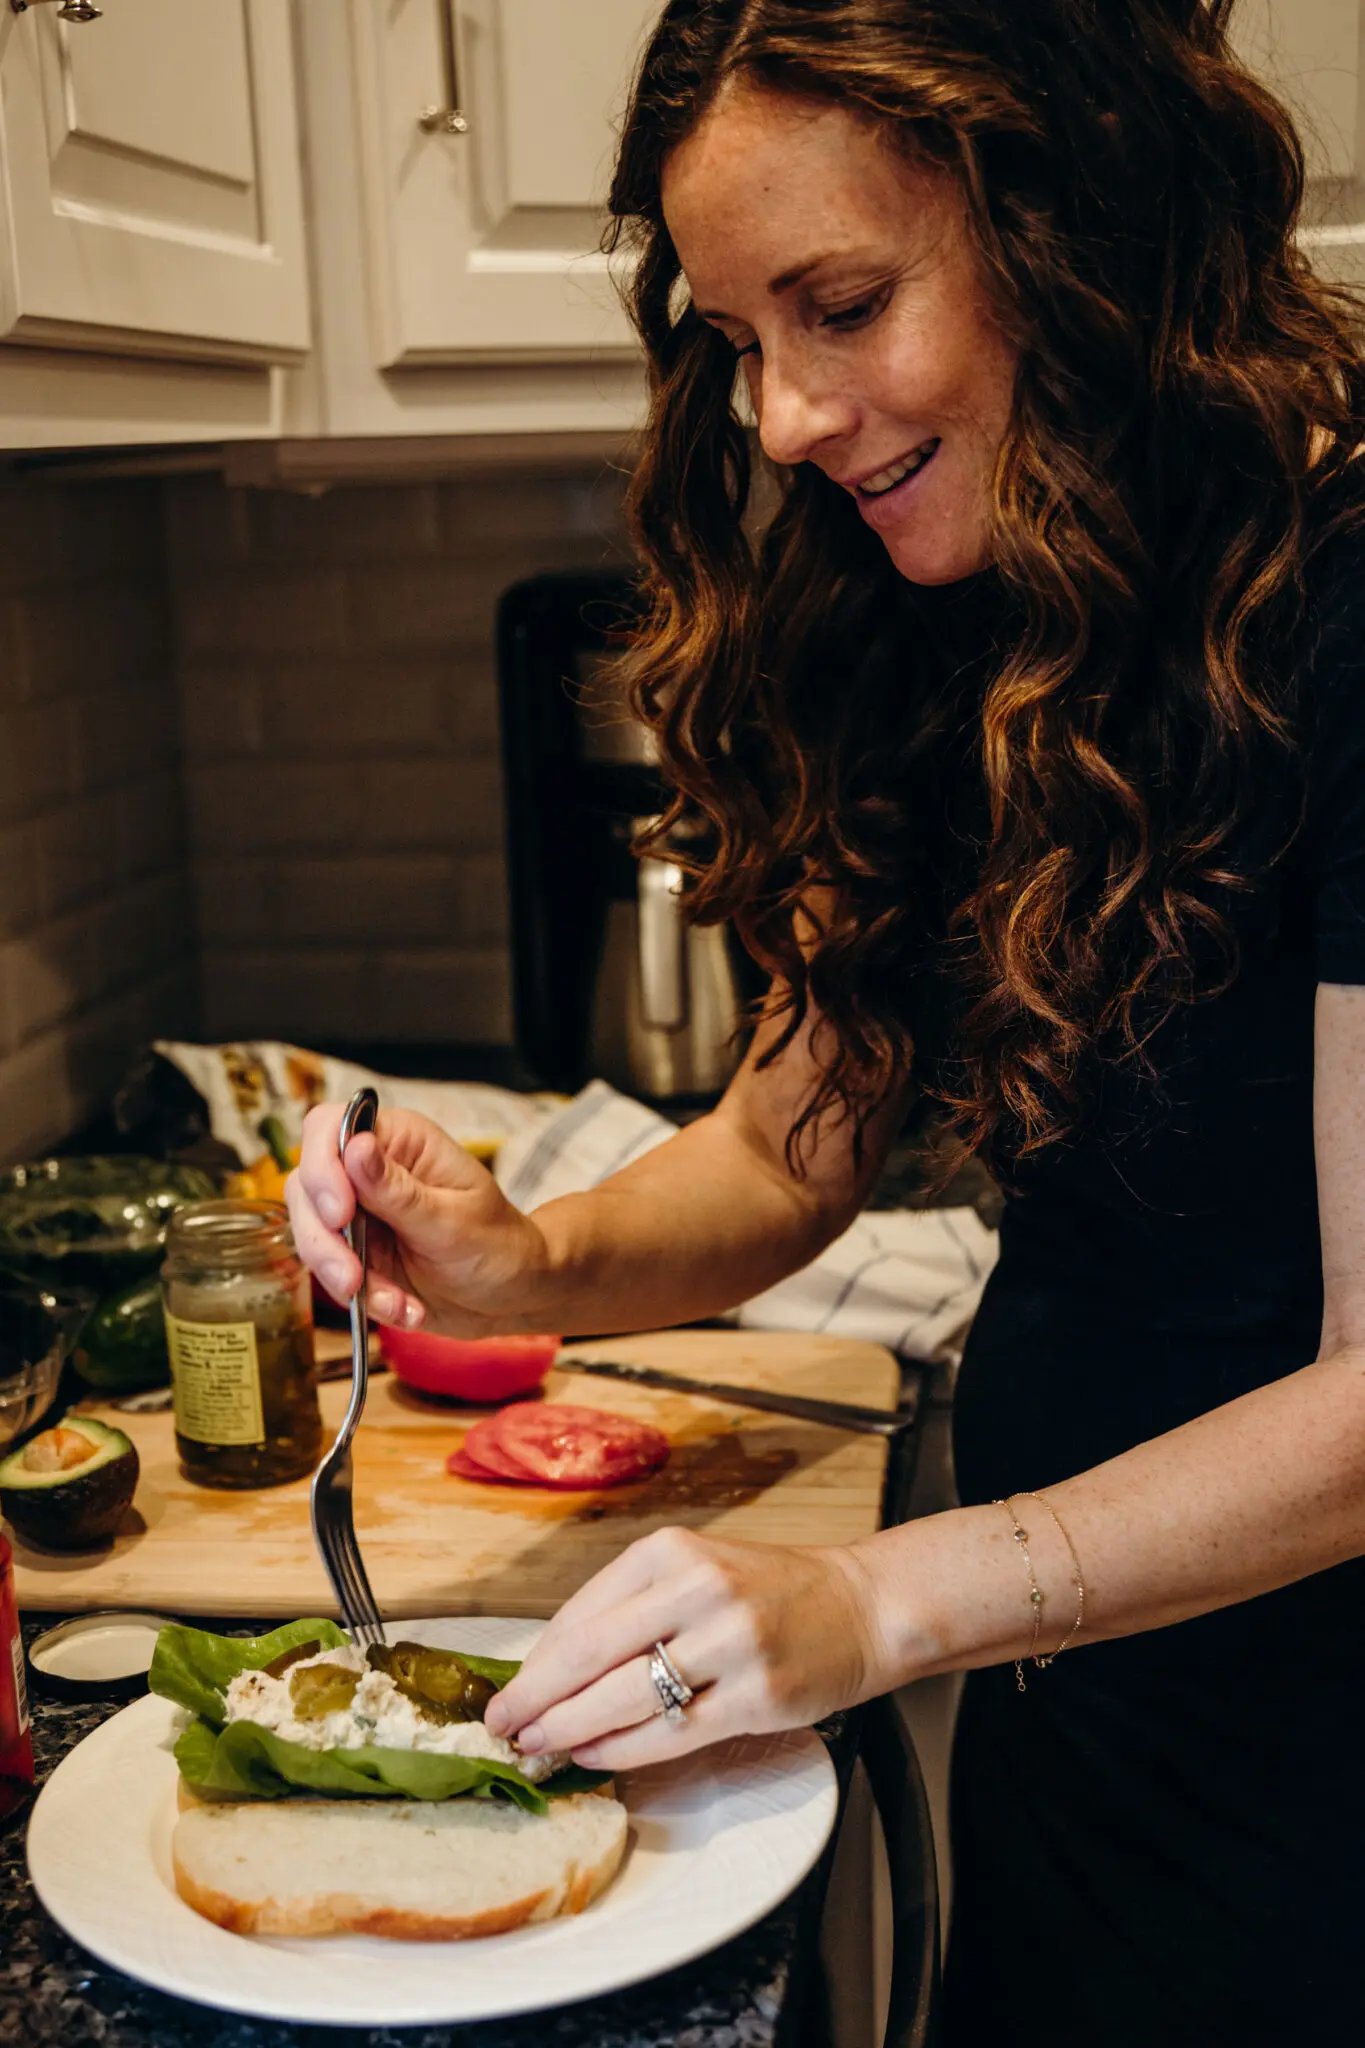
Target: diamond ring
pixel 675 1694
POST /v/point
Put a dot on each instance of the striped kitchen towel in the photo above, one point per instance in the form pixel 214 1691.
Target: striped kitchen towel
pixel 907 1278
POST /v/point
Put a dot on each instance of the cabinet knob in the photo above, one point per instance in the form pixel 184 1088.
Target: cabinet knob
pixel 442 121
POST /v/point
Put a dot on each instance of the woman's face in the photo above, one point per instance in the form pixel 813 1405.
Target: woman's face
pixel 848 283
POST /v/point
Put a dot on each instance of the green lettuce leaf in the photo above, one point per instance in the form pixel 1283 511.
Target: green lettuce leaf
pixel 195 1668
pixel 244 1761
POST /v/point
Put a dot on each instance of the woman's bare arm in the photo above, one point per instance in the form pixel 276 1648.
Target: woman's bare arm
pixel 1251 1496
pixel 709 1218
pixel 714 1215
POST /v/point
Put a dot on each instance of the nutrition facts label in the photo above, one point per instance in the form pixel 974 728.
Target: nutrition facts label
pixel 215 1381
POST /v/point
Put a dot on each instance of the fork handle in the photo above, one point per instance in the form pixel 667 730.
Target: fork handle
pixel 361 1113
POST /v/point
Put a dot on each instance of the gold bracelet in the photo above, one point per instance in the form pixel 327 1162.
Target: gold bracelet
pixel 1069 1638
pixel 1036 1591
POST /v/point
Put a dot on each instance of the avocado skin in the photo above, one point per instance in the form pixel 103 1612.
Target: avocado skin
pixel 75 1513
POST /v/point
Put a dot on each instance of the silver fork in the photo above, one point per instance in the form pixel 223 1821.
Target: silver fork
pixel 333 1521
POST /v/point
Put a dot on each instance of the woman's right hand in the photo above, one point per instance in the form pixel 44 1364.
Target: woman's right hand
pixel 445 1248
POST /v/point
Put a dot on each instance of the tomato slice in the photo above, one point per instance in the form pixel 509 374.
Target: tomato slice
pixel 481 1447
pixel 464 1467
pixel 558 1444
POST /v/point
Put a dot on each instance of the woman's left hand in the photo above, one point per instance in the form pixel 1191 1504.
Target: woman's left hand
pixel 767 1637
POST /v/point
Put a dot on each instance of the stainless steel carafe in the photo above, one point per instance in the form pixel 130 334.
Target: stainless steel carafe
pixel 609 980
pixel 666 1004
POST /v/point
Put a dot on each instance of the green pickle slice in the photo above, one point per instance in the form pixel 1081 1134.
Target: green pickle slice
pixel 322 1689
pixel 438 1682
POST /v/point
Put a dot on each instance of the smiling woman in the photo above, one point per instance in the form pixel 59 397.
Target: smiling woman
pixel 875 356
pixel 1031 732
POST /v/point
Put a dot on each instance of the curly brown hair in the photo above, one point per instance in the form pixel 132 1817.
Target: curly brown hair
pixel 1188 400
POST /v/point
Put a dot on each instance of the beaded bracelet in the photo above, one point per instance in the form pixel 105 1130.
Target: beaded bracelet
pixel 1036 1591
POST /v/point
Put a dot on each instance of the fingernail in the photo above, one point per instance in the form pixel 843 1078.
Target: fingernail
pixel 336 1279
pixel 530 1739
pixel 329 1208
pixel 413 1314
pixel 497 1719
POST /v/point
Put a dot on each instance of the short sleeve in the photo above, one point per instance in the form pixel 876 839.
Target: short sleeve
pixel 1336 782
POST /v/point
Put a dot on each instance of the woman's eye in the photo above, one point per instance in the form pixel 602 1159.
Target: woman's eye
pixel 859 315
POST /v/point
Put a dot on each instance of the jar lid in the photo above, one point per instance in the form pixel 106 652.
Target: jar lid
pixel 95 1656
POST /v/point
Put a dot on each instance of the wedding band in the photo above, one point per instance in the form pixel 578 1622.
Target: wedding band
pixel 675 1694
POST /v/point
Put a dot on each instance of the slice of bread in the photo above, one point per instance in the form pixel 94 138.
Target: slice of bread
pixel 411 1870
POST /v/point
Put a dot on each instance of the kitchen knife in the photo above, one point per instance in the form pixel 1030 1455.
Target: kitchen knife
pixel 835 1414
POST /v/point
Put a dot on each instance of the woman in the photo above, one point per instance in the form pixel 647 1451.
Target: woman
pixel 1033 734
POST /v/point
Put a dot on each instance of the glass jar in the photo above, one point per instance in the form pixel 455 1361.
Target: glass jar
pixel 239 1329
pixel 16 1743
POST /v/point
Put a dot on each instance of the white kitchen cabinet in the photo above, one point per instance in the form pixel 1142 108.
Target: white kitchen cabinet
pixel 460 283
pixel 482 242
pixel 153 209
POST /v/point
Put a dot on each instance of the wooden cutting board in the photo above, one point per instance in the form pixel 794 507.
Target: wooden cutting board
pixel 438 1545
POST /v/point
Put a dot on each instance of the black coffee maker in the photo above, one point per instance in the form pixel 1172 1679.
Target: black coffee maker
pixel 609 981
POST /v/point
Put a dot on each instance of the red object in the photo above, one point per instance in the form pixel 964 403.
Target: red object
pixel 465 1467
pixel 478 1369
pixel 561 1445
pixel 16 1742
pixel 482 1450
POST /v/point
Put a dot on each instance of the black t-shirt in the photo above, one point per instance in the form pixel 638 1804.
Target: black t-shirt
pixel 1164 1831
pixel 1166 1257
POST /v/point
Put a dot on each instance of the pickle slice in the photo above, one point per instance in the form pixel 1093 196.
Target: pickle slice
pixel 438 1682
pixel 322 1689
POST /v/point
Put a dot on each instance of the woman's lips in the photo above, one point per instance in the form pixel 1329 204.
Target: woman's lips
pixel 884 507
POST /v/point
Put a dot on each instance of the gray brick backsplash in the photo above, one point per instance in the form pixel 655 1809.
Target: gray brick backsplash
pixel 249 766
pixel 347 524
pixel 97 953
pixel 344 786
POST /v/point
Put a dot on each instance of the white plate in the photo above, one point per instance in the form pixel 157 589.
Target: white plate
pixel 717 1840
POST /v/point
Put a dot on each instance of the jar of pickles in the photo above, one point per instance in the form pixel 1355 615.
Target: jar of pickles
pixel 239 1328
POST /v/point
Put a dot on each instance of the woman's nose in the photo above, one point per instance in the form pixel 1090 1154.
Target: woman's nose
pixel 796 414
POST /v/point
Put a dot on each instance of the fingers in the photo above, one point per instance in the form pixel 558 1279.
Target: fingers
pixel 564 1664
pixel 320 1171
pixel 321 1199
pixel 710 1718
pixel 622 1699
pixel 625 1608
pixel 324 1251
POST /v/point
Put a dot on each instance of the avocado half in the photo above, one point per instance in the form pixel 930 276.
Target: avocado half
pixel 68 1487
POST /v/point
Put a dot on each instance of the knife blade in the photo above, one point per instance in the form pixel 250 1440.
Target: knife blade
pixel 835 1414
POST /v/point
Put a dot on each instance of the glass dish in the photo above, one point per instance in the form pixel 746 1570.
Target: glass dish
pixel 91 1222
pixel 37 1332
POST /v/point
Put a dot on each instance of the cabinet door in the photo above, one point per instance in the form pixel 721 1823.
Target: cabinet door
pixel 483 244
pixel 1309 51
pixel 151 181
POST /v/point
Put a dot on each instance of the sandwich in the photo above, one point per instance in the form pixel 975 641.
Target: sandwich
pixel 329 1789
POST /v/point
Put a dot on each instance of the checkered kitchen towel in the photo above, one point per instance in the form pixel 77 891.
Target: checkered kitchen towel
pixel 907 1278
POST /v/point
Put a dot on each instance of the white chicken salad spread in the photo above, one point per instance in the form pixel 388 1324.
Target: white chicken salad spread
pixel 329 1712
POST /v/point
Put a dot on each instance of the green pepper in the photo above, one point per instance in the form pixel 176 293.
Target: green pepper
pixel 122 1345
pixel 275 1138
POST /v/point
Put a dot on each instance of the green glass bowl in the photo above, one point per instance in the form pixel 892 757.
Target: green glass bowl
pixel 94 1223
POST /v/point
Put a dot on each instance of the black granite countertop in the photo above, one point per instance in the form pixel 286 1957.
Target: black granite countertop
pixel 756 1990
